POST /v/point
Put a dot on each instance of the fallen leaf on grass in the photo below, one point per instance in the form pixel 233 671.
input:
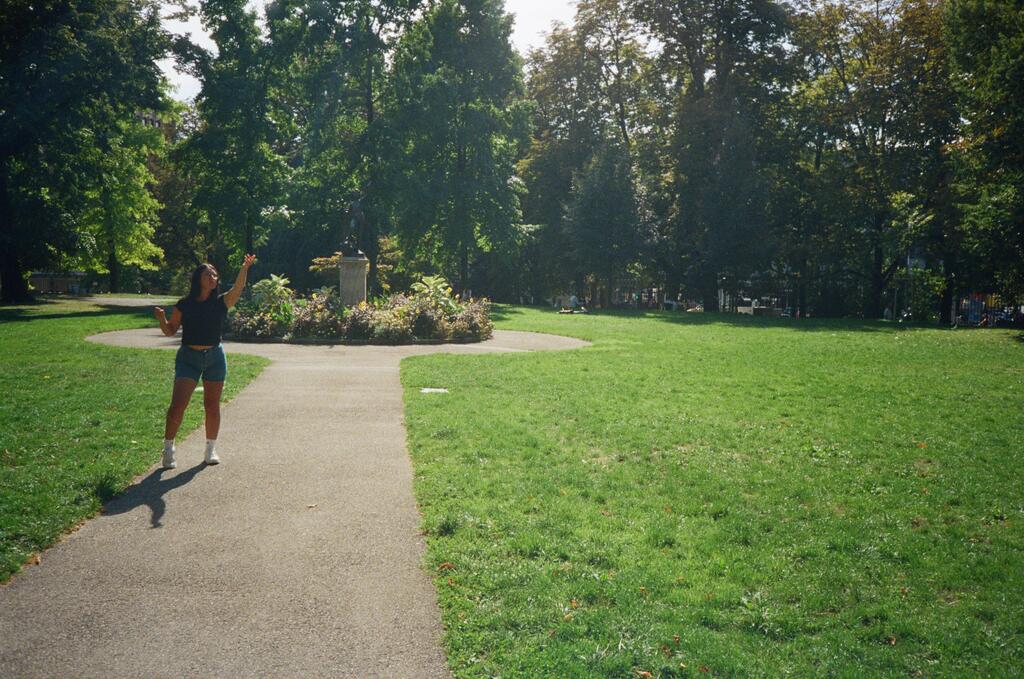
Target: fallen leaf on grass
pixel 567 617
pixel 643 673
pixel 666 651
pixel 891 641
pixel 573 603
pixel 704 669
pixel 446 566
pixel 675 639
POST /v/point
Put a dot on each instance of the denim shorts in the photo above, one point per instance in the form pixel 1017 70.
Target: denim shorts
pixel 209 364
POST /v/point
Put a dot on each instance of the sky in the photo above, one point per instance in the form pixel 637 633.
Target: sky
pixel 533 18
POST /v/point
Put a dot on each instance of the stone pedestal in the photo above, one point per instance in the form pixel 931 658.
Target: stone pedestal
pixel 352 279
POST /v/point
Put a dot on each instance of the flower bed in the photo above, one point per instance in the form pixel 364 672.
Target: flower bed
pixel 428 314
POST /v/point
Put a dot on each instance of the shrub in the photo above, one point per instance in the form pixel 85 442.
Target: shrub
pixel 358 323
pixel 431 312
pixel 460 329
pixel 250 323
pixel 436 292
pixel 474 321
pixel 319 316
pixel 273 296
pixel 396 301
pixel 391 326
pixel 268 311
pixel 426 320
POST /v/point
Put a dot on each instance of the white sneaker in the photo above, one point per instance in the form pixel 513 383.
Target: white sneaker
pixel 168 461
pixel 211 457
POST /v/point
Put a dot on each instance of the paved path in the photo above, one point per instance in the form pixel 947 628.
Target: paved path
pixel 154 300
pixel 298 556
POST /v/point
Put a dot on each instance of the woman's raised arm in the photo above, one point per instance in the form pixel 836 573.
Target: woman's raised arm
pixel 232 296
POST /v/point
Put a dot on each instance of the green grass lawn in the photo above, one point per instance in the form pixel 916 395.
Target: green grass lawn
pixel 726 496
pixel 78 420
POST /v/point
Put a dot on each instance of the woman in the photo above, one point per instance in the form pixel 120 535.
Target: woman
pixel 201 316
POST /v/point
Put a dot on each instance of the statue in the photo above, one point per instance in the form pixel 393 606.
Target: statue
pixel 353 265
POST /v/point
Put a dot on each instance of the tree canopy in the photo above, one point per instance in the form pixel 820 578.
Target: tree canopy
pixel 833 156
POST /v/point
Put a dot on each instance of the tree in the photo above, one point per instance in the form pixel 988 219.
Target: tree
pixel 601 218
pixel 727 62
pixel 987 45
pixel 455 127
pixel 238 172
pixel 590 89
pixel 329 66
pixel 119 218
pixel 180 232
pixel 885 115
pixel 68 71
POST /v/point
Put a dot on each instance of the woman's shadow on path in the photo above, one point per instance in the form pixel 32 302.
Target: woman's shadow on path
pixel 150 492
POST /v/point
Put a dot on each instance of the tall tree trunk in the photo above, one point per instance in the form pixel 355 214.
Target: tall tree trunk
pixel 465 230
pixel 709 293
pixel 249 247
pixel 13 288
pixel 113 265
pixel 874 303
pixel 371 248
pixel 671 284
pixel 801 290
pixel 368 93
pixel 463 266
pixel 623 129
pixel 948 292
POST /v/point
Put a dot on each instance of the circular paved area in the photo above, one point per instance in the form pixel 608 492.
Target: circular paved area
pixel 298 556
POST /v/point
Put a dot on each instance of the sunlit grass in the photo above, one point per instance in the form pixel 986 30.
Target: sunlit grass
pixel 78 420
pixel 739 496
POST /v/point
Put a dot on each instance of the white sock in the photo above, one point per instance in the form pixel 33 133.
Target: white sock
pixel 211 444
pixel 168 445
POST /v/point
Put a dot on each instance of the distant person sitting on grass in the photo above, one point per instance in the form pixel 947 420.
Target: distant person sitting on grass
pixel 201 316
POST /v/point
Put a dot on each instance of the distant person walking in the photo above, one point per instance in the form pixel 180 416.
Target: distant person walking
pixel 201 316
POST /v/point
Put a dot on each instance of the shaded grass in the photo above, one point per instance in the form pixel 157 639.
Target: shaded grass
pixel 749 497
pixel 78 420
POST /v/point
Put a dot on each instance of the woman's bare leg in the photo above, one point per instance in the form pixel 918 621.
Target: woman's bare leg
pixel 182 394
pixel 211 402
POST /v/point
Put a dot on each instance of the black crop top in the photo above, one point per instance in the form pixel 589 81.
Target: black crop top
pixel 202 322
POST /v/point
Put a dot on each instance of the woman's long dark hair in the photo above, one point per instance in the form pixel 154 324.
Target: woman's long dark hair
pixel 196 288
